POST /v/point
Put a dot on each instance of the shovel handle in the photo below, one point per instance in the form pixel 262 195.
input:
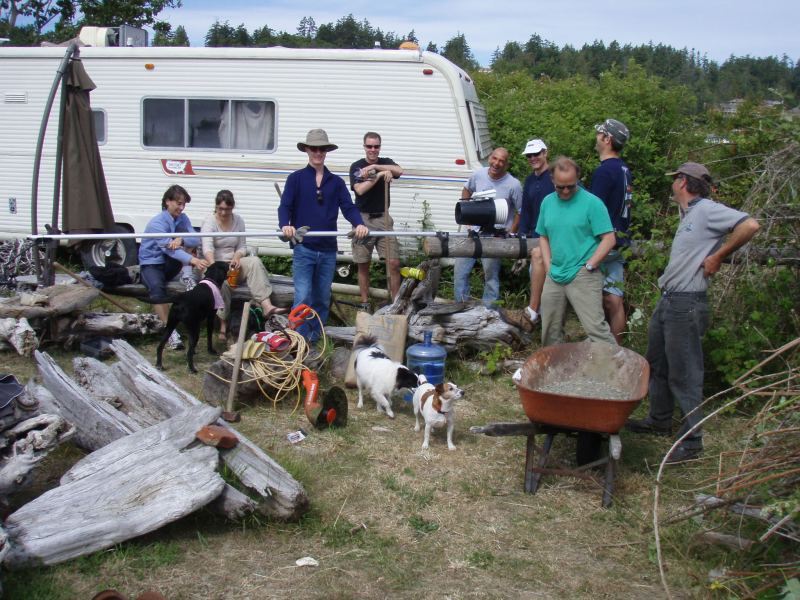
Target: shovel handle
pixel 238 362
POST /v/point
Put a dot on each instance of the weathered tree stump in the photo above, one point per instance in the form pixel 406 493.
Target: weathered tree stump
pixel 19 335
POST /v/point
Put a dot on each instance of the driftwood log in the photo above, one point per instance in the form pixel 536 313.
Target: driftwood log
pixel 465 247
pixel 93 324
pixel 25 444
pixel 19 335
pixel 277 493
pixel 134 485
pixel 59 300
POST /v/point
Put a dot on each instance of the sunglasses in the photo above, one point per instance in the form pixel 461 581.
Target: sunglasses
pixel 534 154
pixel 567 188
pixel 372 146
pixel 320 149
pixel 319 196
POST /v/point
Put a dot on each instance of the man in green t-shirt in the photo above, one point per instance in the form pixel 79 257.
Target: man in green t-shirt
pixel 576 235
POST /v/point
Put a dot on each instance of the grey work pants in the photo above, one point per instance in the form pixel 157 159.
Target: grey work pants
pixel 585 294
pixel 675 354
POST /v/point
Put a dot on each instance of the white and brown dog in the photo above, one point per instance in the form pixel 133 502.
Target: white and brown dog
pixel 436 403
pixel 379 375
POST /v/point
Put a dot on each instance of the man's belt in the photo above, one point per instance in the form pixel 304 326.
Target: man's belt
pixel 698 295
pixel 375 215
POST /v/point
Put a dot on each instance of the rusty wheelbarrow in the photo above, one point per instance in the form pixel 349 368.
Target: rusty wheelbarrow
pixel 586 386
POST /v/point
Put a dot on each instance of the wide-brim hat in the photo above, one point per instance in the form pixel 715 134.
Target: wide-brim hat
pixel 317 138
pixel 692 169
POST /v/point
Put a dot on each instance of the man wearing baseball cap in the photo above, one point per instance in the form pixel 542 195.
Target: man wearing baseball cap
pixel 537 185
pixel 612 183
pixel 708 232
pixel 312 198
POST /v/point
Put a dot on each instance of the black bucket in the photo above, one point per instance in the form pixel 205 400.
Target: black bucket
pixel 482 212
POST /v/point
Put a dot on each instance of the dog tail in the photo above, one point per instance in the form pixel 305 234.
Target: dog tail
pixel 364 341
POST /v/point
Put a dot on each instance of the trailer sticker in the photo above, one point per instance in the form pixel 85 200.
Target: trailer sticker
pixel 177 167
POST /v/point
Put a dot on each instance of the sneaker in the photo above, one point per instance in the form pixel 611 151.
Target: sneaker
pixel 647 426
pixel 189 282
pixel 174 342
pixel 364 306
pixel 531 315
pixel 681 455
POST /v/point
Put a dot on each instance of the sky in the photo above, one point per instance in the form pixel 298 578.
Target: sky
pixel 716 28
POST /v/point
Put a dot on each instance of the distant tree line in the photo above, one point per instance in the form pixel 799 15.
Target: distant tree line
pixel 746 77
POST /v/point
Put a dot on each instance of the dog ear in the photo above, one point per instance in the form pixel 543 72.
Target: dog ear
pixel 436 402
pixel 439 389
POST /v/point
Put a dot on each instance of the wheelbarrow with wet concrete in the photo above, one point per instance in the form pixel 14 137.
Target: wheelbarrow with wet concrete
pixel 576 388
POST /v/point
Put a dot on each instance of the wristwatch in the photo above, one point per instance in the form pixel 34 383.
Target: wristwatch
pixel 590 267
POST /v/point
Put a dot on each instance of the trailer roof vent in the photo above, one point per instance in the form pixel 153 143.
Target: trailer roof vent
pixel 15 97
pixel 124 35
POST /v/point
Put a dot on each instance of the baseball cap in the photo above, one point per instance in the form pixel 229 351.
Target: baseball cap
pixel 692 169
pixel 616 129
pixel 534 146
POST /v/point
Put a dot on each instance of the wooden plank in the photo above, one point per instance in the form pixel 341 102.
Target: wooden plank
pixel 139 493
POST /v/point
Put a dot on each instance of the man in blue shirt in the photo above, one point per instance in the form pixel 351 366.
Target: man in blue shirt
pixel 313 197
pixel 612 183
pixel 537 185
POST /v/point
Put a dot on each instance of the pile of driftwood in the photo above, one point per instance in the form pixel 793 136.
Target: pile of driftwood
pixel 146 467
pixel 453 324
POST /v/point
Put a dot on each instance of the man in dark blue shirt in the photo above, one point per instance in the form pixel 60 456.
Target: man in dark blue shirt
pixel 612 183
pixel 537 185
pixel 313 197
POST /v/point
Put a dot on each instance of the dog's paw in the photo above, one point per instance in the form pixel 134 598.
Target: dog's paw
pixel 451 446
pixel 160 367
pixel 424 446
pixel 416 427
pixel 192 369
pixel 390 414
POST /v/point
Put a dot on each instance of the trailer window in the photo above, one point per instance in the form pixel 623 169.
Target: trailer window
pixel 480 129
pixel 99 118
pixel 209 123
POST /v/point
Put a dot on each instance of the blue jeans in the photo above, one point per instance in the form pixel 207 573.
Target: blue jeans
pixel 675 353
pixel 491 277
pixel 155 278
pixel 313 276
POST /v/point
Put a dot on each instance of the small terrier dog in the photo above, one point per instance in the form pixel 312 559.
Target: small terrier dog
pixel 436 403
pixel 379 375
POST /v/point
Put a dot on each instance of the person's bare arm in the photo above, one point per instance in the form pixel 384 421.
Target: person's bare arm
pixel 465 193
pixel 606 245
pixel 544 246
pixel 741 234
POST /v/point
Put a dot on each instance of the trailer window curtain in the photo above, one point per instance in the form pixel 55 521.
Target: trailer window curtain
pixel 209 123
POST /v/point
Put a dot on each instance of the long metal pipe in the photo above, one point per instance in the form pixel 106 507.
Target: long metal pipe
pixel 129 236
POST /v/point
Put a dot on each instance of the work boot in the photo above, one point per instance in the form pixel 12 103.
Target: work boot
pixel 681 455
pixel 647 426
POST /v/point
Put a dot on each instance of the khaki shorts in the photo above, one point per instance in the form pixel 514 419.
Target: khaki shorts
pixel 388 247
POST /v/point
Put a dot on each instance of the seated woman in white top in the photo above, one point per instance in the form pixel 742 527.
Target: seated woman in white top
pixel 234 250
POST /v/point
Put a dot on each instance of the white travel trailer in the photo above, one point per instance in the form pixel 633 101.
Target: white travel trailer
pixel 215 118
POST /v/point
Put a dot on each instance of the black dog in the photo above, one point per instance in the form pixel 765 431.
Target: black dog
pixel 192 308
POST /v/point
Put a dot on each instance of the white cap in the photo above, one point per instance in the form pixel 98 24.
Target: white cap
pixel 534 147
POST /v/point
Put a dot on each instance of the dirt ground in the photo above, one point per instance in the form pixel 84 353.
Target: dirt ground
pixel 389 520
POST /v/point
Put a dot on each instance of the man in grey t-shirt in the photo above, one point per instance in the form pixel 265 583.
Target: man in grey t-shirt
pixel 675 334
pixel 494 177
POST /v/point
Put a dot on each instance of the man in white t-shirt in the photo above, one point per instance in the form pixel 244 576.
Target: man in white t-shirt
pixel 494 177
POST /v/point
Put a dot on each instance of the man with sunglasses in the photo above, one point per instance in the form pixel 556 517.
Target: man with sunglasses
pixel 575 236
pixel 313 197
pixel 707 233
pixel 368 179
pixel 612 183
pixel 537 185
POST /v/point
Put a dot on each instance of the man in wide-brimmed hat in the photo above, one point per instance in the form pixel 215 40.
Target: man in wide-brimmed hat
pixel 312 198
pixel 707 233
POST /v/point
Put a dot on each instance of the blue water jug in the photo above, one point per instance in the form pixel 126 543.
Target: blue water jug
pixel 427 359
